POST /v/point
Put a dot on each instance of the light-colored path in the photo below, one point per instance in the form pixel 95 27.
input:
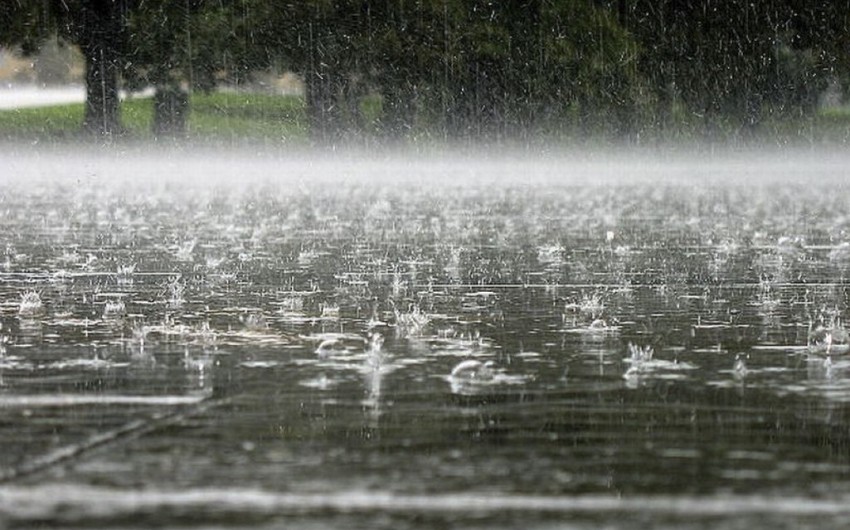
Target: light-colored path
pixel 20 97
pixel 30 96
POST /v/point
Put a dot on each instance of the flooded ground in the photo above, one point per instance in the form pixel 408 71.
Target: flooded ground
pixel 223 343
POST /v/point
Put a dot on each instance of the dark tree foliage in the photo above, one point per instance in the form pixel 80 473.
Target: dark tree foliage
pixel 735 59
pixel 25 24
pixel 474 68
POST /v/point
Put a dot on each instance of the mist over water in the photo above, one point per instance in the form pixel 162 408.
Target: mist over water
pixel 401 340
pixel 204 166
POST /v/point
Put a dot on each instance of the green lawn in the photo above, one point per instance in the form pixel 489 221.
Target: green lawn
pixel 55 122
pixel 225 117
pixel 236 117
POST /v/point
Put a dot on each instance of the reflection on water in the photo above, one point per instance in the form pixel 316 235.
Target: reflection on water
pixel 326 353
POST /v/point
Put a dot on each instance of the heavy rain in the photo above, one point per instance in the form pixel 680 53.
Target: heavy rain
pixel 424 264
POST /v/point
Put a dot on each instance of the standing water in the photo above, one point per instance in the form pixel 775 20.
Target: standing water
pixel 253 341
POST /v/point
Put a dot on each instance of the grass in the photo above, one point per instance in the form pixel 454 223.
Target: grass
pixel 239 117
pixel 245 116
pixel 60 121
pixel 215 117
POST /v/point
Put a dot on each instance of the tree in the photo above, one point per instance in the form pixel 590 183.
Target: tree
pixel 98 27
pixel 736 61
pixel 170 45
pixel 164 47
pixel 515 68
pixel 326 41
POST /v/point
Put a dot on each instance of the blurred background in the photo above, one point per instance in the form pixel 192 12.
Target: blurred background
pixel 375 72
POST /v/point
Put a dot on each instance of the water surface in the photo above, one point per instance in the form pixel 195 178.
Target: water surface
pixel 260 341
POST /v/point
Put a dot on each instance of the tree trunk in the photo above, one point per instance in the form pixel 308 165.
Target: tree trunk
pixel 171 110
pixel 101 29
pixel 102 116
